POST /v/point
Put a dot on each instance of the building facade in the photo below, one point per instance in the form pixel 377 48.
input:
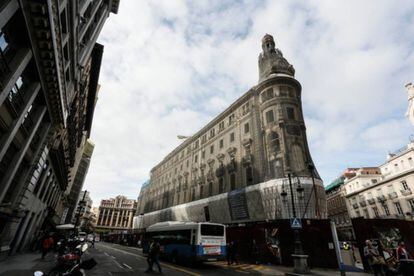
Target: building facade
pixel 243 155
pixel 385 192
pixel 49 69
pixel 116 214
pixel 83 215
pixel 74 193
pixel 337 208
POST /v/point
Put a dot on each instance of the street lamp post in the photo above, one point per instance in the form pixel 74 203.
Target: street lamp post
pixel 299 258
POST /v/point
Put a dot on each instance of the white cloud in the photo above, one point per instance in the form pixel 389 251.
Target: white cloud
pixel 171 66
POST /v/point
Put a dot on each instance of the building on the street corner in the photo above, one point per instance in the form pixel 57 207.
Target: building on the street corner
pixel 236 167
pixel 83 214
pixel 74 194
pixel 116 215
pixel 49 70
pixel 384 192
pixel 94 216
pixel 337 208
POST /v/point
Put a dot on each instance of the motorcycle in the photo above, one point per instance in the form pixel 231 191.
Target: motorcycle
pixel 70 264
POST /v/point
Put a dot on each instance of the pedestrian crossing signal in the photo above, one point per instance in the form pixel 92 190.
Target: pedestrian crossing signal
pixel 295 223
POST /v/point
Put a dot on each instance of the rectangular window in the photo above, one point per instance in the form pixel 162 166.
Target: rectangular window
pixel 290 113
pixel 245 109
pixel 63 22
pixel 204 138
pixel 404 185
pixel 210 188
pixel 231 119
pixel 221 185
pixel 221 126
pixel 246 128
pixel 201 191
pixel 411 204
pixel 221 143
pixel 3 42
pixel 375 209
pixel 269 116
pixel 398 208
pixel 203 154
pixel 249 176
pixel 232 181
pixel 211 149
pixel 232 137
pixel 386 210
pixel 212 133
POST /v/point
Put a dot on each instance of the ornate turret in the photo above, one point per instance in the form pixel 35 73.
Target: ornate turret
pixel 271 60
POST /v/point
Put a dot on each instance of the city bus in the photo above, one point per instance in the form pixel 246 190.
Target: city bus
pixel 190 241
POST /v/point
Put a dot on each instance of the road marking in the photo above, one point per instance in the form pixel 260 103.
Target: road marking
pixel 118 264
pixel 113 257
pixel 164 264
pixel 127 265
pixel 106 254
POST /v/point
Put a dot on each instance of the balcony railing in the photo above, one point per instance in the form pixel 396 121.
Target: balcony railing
pixel 392 195
pixel 406 191
pixel 371 201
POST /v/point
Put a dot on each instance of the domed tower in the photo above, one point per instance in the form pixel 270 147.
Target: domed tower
pixel 279 96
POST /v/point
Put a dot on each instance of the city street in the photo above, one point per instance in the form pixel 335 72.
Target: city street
pixel 114 259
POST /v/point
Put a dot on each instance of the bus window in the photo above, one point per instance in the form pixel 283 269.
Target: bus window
pixel 212 230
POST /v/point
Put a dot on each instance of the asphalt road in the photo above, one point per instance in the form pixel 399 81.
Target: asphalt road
pixel 114 259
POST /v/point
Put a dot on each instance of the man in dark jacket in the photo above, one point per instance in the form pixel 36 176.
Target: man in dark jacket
pixel 153 256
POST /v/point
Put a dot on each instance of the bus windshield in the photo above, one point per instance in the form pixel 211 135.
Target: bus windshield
pixel 212 230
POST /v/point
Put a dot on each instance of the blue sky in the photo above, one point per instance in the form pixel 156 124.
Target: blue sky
pixel 171 66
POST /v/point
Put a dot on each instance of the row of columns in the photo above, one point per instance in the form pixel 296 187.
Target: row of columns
pixel 115 218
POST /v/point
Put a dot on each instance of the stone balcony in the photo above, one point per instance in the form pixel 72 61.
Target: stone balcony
pixel 381 198
pixel 362 203
pixel 392 195
pixel 371 201
pixel 406 192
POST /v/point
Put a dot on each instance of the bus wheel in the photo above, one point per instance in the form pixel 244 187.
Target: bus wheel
pixel 174 257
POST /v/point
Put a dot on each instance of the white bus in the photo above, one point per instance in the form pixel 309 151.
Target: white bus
pixel 194 241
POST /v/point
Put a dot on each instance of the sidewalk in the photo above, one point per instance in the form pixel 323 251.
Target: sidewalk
pixel 26 264
pixel 280 270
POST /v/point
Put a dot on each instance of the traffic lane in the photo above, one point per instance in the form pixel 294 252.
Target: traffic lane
pixel 207 268
pixel 128 257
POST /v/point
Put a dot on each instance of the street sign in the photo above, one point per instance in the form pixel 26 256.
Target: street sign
pixel 295 223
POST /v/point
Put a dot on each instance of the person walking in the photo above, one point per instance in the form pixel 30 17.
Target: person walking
pixel 255 252
pixel 229 249
pixel 405 261
pixel 47 244
pixel 374 259
pixel 153 256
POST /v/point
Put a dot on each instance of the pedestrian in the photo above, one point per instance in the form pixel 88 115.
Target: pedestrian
pixel 153 256
pixel 405 262
pixel 93 241
pixel 231 253
pixel 229 249
pixel 255 252
pixel 47 244
pixel 402 253
pixel 374 259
